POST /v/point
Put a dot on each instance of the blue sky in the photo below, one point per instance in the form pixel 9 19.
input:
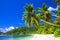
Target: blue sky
pixel 11 11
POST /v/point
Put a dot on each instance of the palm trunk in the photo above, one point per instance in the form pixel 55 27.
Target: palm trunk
pixel 50 23
pixel 37 23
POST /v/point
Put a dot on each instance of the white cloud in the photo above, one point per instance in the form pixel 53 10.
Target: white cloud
pixel 7 29
pixel 10 28
pixel 53 9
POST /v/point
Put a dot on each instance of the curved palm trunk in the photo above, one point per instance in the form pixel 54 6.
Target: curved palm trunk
pixel 50 23
pixel 36 21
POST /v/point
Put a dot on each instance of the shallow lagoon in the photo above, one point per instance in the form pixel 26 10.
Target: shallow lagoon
pixel 16 37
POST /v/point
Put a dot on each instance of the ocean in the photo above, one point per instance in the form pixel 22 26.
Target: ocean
pixel 16 37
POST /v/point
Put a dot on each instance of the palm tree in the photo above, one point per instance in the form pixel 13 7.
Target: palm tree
pixel 30 16
pixel 45 14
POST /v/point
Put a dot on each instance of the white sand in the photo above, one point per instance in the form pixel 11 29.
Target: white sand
pixel 44 37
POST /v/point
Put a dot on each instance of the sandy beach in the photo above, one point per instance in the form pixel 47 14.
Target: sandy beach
pixel 45 37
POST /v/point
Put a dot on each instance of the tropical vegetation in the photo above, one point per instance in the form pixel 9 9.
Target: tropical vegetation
pixel 57 33
pixel 33 18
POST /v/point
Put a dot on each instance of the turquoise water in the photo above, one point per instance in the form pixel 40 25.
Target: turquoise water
pixel 16 37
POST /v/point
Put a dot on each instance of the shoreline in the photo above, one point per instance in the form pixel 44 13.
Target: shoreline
pixel 40 36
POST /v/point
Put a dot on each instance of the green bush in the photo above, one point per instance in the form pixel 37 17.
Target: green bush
pixel 51 30
pixel 57 33
pixel 42 30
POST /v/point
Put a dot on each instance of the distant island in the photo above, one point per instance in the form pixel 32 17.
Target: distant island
pixel 31 30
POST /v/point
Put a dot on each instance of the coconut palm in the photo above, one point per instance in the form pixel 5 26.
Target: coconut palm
pixel 46 17
pixel 30 16
pixel 45 14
